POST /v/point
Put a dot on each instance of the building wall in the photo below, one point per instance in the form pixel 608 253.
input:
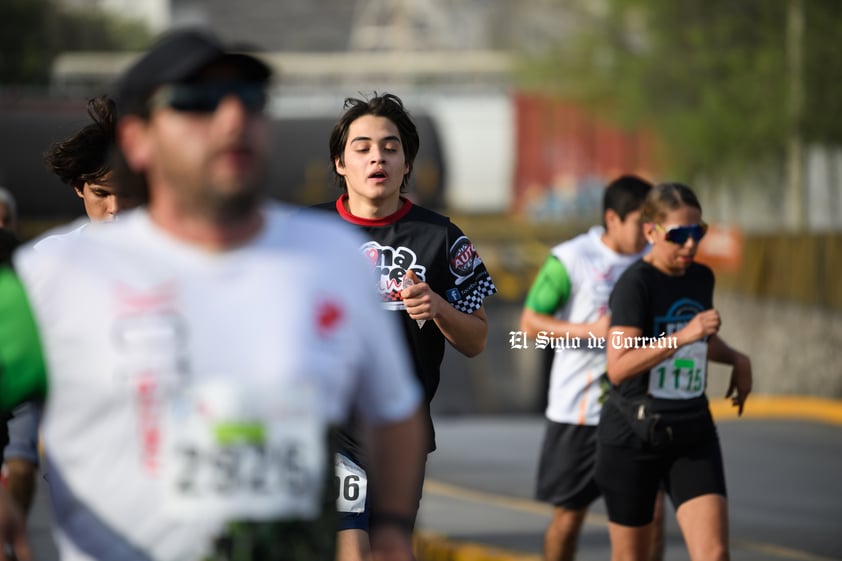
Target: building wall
pixel 154 13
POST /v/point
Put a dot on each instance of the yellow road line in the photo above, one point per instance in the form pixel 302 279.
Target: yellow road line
pixel 513 503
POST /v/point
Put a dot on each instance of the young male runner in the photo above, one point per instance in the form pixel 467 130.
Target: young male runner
pixel 570 296
pixel 427 271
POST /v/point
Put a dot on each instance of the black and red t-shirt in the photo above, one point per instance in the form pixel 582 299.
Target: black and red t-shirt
pixel 439 253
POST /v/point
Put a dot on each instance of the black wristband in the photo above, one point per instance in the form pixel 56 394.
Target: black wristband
pixel 400 521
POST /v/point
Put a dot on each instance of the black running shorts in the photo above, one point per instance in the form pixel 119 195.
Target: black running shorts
pixel 566 466
pixel 629 478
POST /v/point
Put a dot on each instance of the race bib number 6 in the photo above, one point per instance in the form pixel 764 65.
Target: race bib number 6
pixel 352 486
pixel 244 455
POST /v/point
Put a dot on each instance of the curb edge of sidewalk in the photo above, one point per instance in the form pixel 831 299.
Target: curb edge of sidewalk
pixel 434 547
pixel 792 407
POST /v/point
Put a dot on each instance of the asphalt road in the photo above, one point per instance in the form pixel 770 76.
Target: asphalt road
pixel 784 480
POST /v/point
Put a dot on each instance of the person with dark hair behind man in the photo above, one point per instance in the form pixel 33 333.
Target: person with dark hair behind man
pixel 83 161
pixel 570 296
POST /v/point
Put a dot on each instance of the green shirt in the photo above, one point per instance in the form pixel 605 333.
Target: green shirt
pixel 23 372
pixel 551 288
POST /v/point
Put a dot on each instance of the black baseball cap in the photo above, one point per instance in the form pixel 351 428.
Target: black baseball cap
pixel 178 57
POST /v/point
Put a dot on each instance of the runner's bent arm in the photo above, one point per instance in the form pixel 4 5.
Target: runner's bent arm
pixel 466 332
pixel 21 454
pixel 741 377
pixel 623 363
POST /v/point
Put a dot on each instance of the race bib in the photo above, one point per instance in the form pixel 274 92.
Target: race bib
pixel 682 376
pixel 352 484
pixel 243 455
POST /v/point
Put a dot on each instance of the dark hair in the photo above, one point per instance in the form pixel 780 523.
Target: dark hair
pixel 385 105
pixel 625 195
pixel 666 197
pixel 85 156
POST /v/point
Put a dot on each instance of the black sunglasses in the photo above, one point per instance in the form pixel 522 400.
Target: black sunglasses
pixel 206 97
pixel 680 234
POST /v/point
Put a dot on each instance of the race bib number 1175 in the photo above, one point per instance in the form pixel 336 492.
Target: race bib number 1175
pixel 683 376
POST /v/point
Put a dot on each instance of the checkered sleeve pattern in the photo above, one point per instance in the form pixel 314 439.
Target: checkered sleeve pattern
pixel 472 301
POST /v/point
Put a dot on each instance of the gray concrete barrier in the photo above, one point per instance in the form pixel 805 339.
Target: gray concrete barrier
pixel 795 350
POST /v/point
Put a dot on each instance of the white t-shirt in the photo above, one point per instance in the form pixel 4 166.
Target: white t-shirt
pixel 593 268
pixel 161 354
pixel 59 236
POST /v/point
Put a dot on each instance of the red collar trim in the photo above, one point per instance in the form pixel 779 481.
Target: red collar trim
pixel 359 221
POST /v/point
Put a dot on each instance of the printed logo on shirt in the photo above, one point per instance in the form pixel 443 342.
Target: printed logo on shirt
pixel 683 375
pixel 453 295
pixel 463 259
pixel 390 265
pixel 150 339
pixel 681 312
pixel 328 317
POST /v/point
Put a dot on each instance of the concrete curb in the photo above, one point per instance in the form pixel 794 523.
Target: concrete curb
pixel 802 408
pixel 430 546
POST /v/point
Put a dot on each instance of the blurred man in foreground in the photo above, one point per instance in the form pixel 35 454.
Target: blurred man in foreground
pixel 189 409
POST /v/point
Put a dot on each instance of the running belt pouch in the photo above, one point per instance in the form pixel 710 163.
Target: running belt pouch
pixel 644 424
pixel 656 429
